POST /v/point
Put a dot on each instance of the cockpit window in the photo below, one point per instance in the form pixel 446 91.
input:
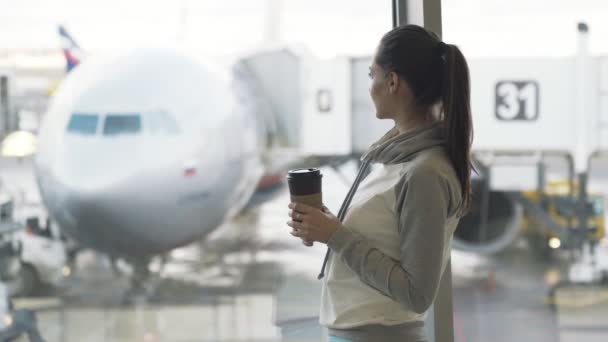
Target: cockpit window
pixel 85 124
pixel 161 122
pixel 169 123
pixel 116 124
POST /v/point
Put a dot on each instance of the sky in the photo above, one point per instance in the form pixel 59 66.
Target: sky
pixel 325 27
pixel 218 26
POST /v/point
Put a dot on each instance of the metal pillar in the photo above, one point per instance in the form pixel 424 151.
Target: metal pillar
pixel 439 322
pixel 5 114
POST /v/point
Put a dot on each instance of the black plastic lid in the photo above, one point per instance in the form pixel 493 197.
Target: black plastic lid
pixel 308 172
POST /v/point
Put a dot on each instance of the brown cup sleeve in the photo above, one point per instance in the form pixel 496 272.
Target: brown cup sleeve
pixel 313 200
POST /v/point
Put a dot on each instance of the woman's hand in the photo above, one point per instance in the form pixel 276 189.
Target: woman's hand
pixel 315 225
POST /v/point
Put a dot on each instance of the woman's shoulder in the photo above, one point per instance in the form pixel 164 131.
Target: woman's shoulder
pixel 434 165
pixel 432 162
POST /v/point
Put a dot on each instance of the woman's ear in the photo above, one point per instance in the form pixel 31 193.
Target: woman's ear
pixel 393 82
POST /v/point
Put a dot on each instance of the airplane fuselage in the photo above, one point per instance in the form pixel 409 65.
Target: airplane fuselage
pixel 146 151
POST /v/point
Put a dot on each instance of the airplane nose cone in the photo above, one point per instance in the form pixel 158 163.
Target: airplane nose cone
pixel 122 203
pixel 96 190
pixel 132 216
pixel 81 216
pixel 91 165
pixel 106 221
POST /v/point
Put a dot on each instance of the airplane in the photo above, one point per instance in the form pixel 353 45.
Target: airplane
pixel 143 152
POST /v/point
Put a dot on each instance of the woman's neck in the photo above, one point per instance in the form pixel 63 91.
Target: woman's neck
pixel 406 123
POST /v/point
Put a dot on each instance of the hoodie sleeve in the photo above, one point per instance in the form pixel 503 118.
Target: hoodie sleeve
pixel 422 205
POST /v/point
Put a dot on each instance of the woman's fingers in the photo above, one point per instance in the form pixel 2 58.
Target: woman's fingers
pixel 303 234
pixel 298 225
pixel 296 215
pixel 303 208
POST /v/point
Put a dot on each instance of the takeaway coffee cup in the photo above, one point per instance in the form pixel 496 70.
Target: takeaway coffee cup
pixel 305 187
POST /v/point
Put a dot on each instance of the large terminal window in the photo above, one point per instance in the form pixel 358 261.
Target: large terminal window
pixel 85 124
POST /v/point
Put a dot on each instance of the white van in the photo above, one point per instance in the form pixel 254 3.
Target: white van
pixel 43 256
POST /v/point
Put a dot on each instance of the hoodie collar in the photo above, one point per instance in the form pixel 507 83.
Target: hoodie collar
pixel 395 148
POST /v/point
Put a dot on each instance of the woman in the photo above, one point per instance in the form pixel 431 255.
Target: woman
pixel 389 250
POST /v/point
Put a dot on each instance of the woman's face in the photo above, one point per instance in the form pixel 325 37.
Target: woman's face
pixel 389 92
pixel 379 91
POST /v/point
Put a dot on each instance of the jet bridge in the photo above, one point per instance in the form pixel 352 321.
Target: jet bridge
pixel 314 106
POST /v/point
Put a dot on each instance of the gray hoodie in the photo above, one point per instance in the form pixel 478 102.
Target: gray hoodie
pixel 388 257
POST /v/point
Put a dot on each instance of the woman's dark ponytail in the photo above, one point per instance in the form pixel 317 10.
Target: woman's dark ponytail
pixel 456 100
pixel 437 73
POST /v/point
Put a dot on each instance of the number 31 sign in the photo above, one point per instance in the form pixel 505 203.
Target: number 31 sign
pixel 517 100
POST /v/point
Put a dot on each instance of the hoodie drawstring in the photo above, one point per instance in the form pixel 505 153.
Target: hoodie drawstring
pixel 344 208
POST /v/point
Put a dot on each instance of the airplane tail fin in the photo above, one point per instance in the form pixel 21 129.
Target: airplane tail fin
pixel 71 49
